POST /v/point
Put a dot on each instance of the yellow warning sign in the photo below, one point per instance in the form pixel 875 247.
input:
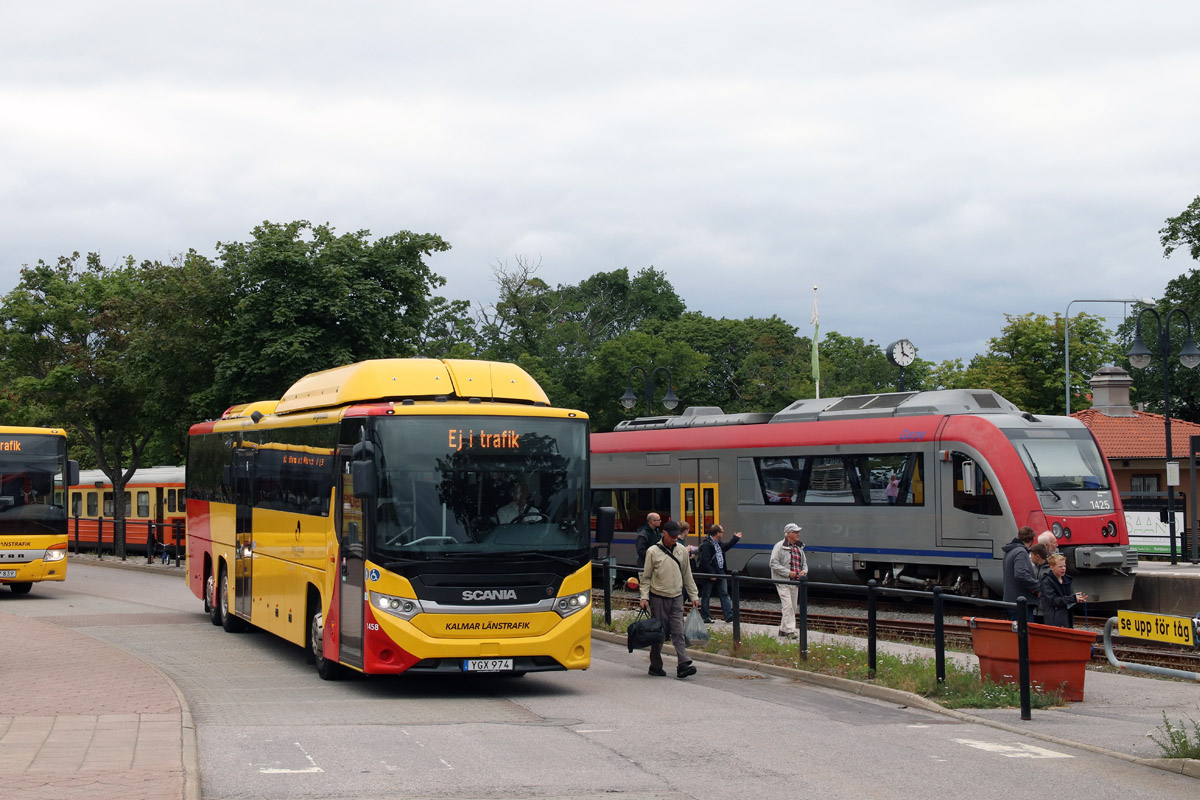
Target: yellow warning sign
pixel 1160 628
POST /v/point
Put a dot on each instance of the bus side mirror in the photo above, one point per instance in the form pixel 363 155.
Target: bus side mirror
pixel 72 473
pixel 605 518
pixel 968 477
pixel 363 475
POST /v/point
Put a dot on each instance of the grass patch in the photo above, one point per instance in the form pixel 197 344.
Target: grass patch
pixel 963 688
pixel 1176 742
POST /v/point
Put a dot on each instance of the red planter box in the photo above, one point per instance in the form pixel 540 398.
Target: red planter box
pixel 1058 657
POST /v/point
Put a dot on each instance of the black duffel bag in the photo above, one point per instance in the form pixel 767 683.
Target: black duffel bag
pixel 644 631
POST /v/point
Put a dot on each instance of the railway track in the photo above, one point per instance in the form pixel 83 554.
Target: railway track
pixel 957 633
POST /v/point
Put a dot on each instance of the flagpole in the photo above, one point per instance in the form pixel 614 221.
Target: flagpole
pixel 816 362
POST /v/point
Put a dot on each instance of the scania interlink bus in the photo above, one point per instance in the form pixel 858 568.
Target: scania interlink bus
pixel 368 516
pixel 33 511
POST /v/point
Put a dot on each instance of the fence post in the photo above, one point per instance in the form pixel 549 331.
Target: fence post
pixel 1023 656
pixel 939 636
pixel 151 539
pixel 803 603
pixel 100 537
pixel 871 628
pixel 608 584
pixel 76 533
pixel 735 599
pixel 177 525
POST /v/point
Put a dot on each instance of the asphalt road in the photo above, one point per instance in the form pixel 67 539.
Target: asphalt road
pixel 270 728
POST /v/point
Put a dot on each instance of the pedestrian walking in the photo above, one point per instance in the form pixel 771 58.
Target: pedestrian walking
pixel 712 561
pixel 789 563
pixel 647 536
pixel 667 575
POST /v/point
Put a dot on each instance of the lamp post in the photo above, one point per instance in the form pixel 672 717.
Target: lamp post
pixel 1189 356
pixel 629 399
pixel 1145 301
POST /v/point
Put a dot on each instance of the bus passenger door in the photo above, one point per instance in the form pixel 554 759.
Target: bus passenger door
pixel 243 551
pixel 351 565
pixel 698 493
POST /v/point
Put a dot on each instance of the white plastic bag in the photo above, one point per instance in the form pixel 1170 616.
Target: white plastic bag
pixel 695 632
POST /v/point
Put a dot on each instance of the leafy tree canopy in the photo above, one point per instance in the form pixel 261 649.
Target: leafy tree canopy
pixel 305 299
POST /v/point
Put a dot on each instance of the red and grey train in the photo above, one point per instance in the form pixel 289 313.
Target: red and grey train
pixel 910 489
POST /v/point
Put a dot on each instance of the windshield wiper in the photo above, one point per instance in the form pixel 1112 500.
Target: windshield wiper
pixel 1038 475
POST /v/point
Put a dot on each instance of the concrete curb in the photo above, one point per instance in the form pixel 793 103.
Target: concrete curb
pixel 1183 766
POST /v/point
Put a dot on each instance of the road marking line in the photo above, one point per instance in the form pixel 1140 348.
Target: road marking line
pixel 1013 750
pixel 281 771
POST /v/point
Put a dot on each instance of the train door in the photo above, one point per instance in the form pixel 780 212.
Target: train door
pixel 243 551
pixel 970 505
pixel 351 564
pixel 699 497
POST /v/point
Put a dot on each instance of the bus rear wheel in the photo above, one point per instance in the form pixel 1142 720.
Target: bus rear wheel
pixel 327 669
pixel 212 608
pixel 229 621
pixel 21 588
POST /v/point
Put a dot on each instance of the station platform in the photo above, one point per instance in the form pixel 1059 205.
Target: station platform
pixel 1165 588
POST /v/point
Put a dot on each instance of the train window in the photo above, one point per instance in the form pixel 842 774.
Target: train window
pixel 77 504
pixel 984 500
pixel 829 482
pixel 108 505
pixel 889 478
pixel 780 479
pixel 170 501
pixel 143 504
pixel 633 505
pixel 92 506
pixel 128 504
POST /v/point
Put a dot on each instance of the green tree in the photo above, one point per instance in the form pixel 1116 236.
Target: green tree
pixel 1182 292
pixel 108 353
pixel 1026 362
pixel 305 299
pixel 1182 231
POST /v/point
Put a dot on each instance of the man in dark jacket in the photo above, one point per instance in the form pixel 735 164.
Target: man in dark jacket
pixel 648 536
pixel 712 561
pixel 1019 580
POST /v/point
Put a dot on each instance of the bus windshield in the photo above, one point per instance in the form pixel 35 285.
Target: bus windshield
pixel 477 486
pixel 30 474
pixel 1059 459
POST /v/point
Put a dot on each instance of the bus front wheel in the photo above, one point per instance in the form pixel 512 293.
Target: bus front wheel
pixel 327 669
pixel 21 588
pixel 211 606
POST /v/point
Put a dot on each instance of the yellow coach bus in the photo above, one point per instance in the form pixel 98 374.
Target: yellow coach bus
pixel 33 511
pixel 399 514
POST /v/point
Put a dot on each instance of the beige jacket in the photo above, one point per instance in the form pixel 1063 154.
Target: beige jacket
pixel 667 577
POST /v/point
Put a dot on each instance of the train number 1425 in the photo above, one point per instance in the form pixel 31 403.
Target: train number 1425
pixel 1102 504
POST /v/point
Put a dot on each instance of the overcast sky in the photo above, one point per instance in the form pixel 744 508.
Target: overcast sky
pixel 931 166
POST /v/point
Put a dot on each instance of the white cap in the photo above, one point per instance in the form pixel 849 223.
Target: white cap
pixel 791 526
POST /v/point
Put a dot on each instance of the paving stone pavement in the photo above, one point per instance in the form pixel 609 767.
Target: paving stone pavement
pixel 80 718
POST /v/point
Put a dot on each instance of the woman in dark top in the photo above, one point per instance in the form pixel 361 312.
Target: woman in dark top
pixel 1058 595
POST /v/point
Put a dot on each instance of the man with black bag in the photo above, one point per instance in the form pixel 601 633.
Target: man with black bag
pixel 667 574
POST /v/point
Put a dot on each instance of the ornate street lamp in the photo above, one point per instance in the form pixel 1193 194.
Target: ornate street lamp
pixel 629 399
pixel 1139 358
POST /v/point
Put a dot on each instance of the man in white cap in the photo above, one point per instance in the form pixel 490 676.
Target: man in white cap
pixel 788 563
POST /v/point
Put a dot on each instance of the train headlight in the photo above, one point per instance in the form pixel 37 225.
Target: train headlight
pixel 573 604
pixel 1057 529
pixel 55 554
pixel 402 607
pixel 1066 533
pixel 1111 528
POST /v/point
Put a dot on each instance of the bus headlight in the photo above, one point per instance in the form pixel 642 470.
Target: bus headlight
pixel 573 603
pixel 55 554
pixel 402 607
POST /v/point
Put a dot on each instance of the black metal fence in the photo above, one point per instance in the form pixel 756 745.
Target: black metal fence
pixel 610 570
pixel 165 540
